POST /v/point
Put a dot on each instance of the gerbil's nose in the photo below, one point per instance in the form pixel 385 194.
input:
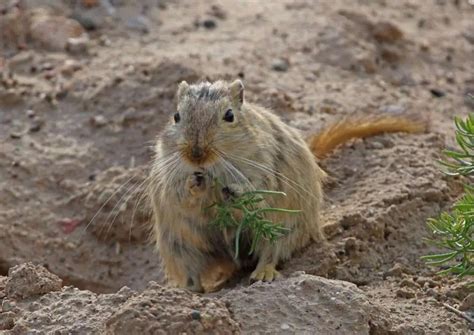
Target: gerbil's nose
pixel 197 152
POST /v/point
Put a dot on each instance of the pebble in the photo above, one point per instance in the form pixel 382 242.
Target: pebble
pixel 7 305
pixel 285 326
pixel 467 303
pixel 396 271
pixel 469 97
pixel 78 45
pixel 437 93
pixel 404 293
pixel 392 109
pixel 195 315
pixel 70 66
pixel 386 32
pixel 469 35
pixel 87 22
pixel 54 32
pixel 139 23
pixel 280 65
pixel 36 126
pixel 30 113
pixel 15 135
pixel 98 121
pixel 209 23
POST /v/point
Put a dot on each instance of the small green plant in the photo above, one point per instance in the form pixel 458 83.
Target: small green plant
pixel 455 230
pixel 253 218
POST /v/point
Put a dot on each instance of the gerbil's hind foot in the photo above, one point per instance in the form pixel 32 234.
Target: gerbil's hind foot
pixel 266 273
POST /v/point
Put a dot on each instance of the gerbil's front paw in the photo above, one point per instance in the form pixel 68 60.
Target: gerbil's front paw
pixel 196 183
pixel 232 191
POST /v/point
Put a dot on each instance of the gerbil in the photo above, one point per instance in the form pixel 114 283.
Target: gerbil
pixel 215 133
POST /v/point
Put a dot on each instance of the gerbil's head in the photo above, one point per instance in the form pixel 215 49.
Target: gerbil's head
pixel 206 122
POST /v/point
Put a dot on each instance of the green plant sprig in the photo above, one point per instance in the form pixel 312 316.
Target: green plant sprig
pixel 454 230
pixel 253 218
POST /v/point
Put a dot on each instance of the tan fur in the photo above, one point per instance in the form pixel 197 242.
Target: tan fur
pixel 254 151
pixel 361 127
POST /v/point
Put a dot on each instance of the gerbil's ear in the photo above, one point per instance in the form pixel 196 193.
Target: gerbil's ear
pixel 183 89
pixel 236 90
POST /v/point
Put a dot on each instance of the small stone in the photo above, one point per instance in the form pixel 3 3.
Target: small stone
pixel 30 113
pixel 350 245
pixel 209 23
pixel 78 45
pixel 467 303
pixel 53 32
pixel 405 293
pixel 15 135
pixel 469 97
pixel 409 283
pixel 396 271
pixel 392 109
pixel 285 326
pixel 139 23
pixel 28 280
pixel 7 305
pixel 195 315
pixel 7 320
pixel 86 21
pixel 98 121
pixel 386 32
pixel 36 126
pixel 469 35
pixel 391 54
pixel 437 93
pixel 70 66
pixel 280 65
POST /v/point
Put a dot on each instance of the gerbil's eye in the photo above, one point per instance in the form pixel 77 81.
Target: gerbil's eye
pixel 229 116
pixel 177 117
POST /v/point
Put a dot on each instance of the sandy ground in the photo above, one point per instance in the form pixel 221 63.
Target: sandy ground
pixel 78 119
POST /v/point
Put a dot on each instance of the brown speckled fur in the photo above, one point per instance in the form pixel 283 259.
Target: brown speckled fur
pixel 255 151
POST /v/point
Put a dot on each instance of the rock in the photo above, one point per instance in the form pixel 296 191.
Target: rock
pixel 469 97
pixel 86 21
pixel 170 311
pixel 405 293
pixel 409 283
pixel 7 320
pixel 30 113
pixel 7 305
pixel 392 109
pixel 78 45
pixel 54 32
pixel 98 121
pixel 305 304
pixel 396 271
pixel 28 280
pixel 386 32
pixel 69 67
pixel 467 303
pixel 469 34
pixel 217 12
pixel 437 93
pixel 280 65
pixel 139 23
pixel 209 23
pixel 3 282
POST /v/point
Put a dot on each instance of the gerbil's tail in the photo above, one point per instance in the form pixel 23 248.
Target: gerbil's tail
pixel 361 127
